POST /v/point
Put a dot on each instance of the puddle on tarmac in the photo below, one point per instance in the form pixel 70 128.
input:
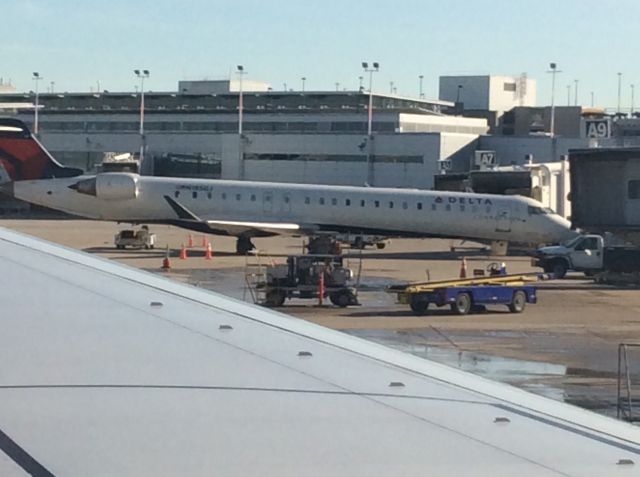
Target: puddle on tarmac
pixel 545 379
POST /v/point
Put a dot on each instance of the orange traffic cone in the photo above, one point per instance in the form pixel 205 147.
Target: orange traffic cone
pixel 166 263
pixel 190 241
pixel 463 268
pixel 204 242
pixel 183 253
pixel 207 253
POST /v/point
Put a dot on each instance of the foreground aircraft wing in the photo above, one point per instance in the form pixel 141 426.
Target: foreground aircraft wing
pixel 108 370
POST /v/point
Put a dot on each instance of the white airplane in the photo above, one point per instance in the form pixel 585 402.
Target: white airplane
pixel 107 370
pixel 247 209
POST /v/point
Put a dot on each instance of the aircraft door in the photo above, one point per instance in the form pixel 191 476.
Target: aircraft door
pixel 267 202
pixel 503 219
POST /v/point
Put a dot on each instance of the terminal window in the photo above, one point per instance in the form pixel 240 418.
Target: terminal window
pixel 509 86
pixel 633 189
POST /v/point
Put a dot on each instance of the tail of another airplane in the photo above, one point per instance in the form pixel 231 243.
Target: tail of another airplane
pixel 22 157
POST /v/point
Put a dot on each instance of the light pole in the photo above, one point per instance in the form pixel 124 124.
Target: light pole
pixel 390 87
pixel 360 78
pixel 36 78
pixel 568 95
pixel 575 92
pixel 420 93
pixel 240 72
pixel 375 67
pixel 633 87
pixel 553 70
pixel 592 99
pixel 303 80
pixel 141 74
pixel 619 89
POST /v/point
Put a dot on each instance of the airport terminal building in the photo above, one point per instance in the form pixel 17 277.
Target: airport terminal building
pixel 308 136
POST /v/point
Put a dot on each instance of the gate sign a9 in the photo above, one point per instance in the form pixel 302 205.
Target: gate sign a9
pixel 597 128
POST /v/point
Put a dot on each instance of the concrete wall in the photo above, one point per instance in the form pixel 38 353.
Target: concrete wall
pixel 511 150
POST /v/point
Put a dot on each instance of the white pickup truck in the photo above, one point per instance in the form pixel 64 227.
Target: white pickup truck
pixel 135 239
pixel 589 254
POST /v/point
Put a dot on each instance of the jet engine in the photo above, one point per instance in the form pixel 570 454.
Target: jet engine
pixel 109 186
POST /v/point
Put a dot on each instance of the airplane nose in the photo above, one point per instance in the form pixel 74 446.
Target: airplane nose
pixel 8 189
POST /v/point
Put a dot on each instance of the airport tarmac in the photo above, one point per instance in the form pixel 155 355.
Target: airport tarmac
pixel 564 347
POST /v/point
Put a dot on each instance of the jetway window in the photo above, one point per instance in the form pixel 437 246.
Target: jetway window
pixel 633 189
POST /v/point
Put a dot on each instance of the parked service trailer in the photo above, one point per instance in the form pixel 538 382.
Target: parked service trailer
pixel 467 295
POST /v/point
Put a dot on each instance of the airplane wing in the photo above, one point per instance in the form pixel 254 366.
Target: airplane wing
pixel 108 370
pixel 188 219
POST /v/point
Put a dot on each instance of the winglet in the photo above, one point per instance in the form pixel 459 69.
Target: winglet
pixel 183 212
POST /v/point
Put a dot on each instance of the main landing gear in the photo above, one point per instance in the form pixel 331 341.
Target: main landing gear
pixel 244 245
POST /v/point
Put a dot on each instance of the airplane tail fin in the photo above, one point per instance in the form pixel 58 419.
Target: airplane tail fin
pixel 22 157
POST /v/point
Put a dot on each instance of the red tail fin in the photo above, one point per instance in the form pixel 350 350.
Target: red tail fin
pixel 24 158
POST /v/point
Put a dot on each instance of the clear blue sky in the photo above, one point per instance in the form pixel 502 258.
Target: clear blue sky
pixel 79 42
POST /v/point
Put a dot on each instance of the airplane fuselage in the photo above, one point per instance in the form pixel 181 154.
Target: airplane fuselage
pixel 131 198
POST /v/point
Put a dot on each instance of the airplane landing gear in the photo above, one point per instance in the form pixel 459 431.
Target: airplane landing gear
pixel 244 245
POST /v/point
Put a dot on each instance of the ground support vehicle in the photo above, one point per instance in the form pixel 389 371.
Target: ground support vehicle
pixel 591 254
pixel 468 295
pixel 135 239
pixel 307 277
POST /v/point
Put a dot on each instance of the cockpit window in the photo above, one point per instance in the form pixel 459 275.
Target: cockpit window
pixel 537 210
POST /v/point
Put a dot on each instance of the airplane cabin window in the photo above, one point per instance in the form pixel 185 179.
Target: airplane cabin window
pixel 253 197
pixel 448 207
pixel 176 194
pixel 238 196
pixel 347 202
pixel 224 196
pixel 286 199
pixel 462 208
pixel 209 195
pixel 434 206
pixel 405 205
pixel 419 205
pixel 334 201
pixel 307 200
pixel 362 203
pixel 376 203
pixel 321 200
pixel 391 204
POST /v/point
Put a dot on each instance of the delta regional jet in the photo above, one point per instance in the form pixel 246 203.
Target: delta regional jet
pixel 247 209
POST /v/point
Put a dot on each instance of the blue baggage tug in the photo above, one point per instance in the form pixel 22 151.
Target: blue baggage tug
pixel 472 294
